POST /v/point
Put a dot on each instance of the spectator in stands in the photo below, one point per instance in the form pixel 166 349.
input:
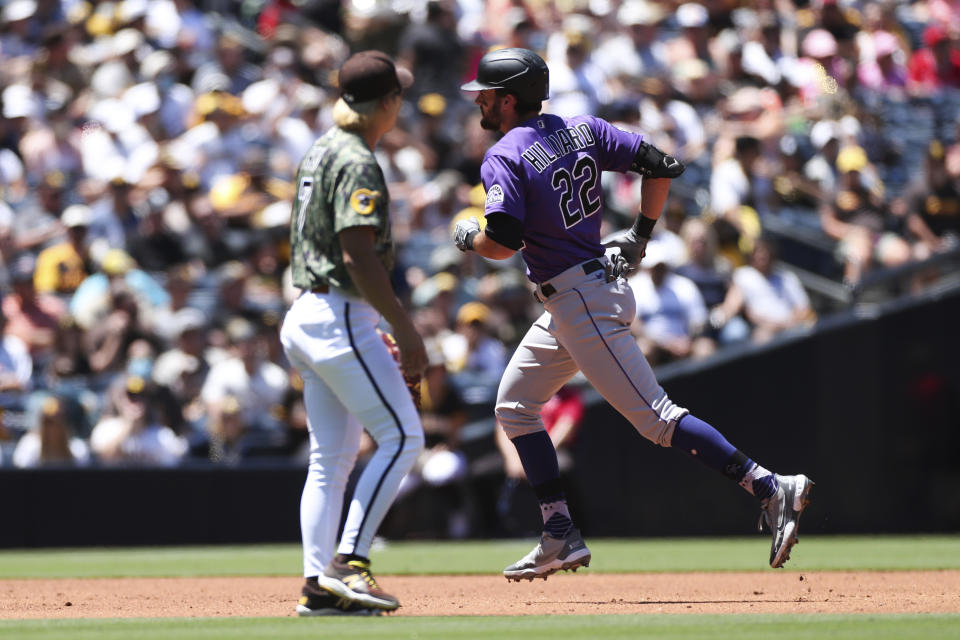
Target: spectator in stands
pixel 441 407
pixel 674 125
pixel 886 71
pixel 189 333
pixel 577 85
pixel 180 286
pixel 62 267
pixel 7 249
pixel 713 276
pixel 155 246
pixel 69 361
pixel 936 66
pixel 16 367
pixel 33 318
pixel 826 69
pixel 107 341
pixel 246 374
pixel 770 296
pixel 432 51
pixel 37 222
pixel 229 62
pixel 227 439
pixel 134 436
pixel 475 358
pixel 839 19
pixel 821 168
pixel 18 38
pixel 859 218
pixel 636 50
pixel 763 53
pixel 240 196
pixel 932 201
pixel 113 220
pixel 693 41
pixel 92 300
pixel 794 197
pixel 51 442
pixel 442 468
pixel 735 200
pixel 232 299
pixel 671 315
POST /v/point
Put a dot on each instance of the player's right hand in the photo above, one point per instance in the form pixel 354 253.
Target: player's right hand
pixel 464 232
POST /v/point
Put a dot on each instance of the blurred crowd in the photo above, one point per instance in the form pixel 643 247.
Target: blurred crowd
pixel 147 152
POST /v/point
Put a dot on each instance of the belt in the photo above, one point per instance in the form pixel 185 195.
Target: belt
pixel 322 288
pixel 548 289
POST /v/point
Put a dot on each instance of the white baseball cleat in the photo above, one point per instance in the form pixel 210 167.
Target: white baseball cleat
pixel 781 515
pixel 551 555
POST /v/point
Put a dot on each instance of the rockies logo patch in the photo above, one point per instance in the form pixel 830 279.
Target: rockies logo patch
pixel 494 196
pixel 364 201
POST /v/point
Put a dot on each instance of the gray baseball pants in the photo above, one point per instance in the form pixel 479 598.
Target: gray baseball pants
pixel 585 326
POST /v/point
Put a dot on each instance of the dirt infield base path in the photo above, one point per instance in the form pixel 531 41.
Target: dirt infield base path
pixel 583 593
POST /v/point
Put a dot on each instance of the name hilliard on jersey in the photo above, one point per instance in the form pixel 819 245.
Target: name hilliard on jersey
pixel 545 173
pixel 558 144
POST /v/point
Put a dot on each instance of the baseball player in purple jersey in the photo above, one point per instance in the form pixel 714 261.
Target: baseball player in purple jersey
pixel 341 254
pixel 544 199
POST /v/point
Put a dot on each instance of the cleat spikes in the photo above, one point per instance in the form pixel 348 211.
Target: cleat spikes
pixel 550 556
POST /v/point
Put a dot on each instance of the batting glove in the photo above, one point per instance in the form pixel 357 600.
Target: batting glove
pixel 632 246
pixel 464 233
pixel 619 266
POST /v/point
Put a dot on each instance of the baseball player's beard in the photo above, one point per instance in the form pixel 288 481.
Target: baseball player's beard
pixel 490 120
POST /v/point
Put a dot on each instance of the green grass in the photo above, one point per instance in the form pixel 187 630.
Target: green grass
pixel 815 553
pixel 782 627
pixel 610 555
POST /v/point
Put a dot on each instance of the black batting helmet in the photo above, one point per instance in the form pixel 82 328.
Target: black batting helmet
pixel 518 71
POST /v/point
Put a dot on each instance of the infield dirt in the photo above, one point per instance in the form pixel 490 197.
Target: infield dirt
pixel 582 593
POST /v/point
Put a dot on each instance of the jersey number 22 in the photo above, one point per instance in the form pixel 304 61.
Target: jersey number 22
pixel 582 182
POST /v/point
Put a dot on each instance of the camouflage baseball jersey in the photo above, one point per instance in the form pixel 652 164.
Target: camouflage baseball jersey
pixel 339 185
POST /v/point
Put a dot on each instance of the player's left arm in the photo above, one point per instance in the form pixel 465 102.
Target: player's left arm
pixel 653 197
pixel 657 169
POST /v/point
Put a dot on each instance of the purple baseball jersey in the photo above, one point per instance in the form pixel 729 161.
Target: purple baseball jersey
pixel 546 173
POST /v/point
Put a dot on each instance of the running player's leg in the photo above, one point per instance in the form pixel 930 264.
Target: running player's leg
pixel 593 324
pixel 601 344
pixel 537 370
pixel 609 357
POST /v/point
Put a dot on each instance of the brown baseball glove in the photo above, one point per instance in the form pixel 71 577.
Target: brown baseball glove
pixel 413 386
pixel 413 382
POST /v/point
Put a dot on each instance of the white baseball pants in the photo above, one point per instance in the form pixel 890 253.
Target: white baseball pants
pixel 351 383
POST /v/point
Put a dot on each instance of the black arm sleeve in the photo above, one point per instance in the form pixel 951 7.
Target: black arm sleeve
pixel 506 230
